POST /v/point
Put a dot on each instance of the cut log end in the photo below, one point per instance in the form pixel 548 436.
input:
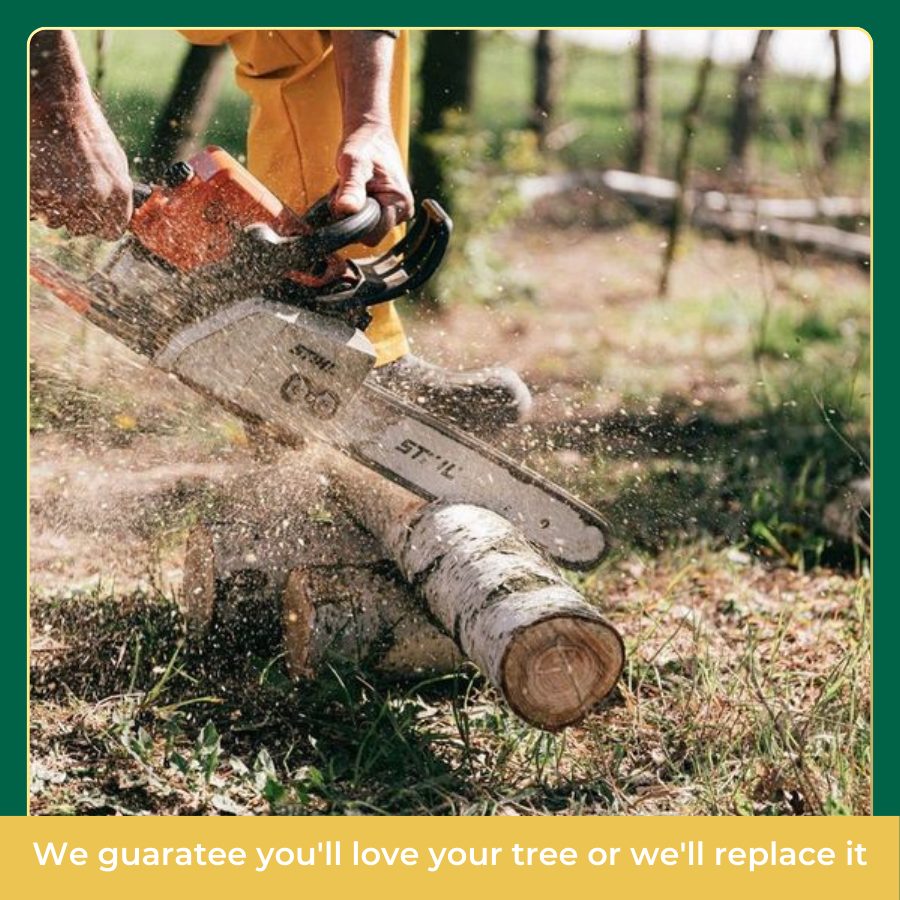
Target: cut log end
pixel 299 615
pixel 555 671
pixel 199 587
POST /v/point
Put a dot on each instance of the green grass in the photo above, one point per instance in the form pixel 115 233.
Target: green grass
pixel 762 483
pixel 141 68
pixel 720 711
pixel 760 472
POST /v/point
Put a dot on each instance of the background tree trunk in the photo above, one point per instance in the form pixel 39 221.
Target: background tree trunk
pixel 645 113
pixel 831 130
pixel 102 39
pixel 189 108
pixel 447 77
pixel 689 123
pixel 546 84
pixel 447 71
pixel 747 91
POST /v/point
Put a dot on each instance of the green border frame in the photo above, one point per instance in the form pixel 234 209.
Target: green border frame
pixel 463 13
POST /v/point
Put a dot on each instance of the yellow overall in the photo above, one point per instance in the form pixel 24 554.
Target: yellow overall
pixel 295 129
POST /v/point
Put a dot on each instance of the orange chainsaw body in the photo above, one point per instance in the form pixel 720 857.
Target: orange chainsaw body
pixel 193 222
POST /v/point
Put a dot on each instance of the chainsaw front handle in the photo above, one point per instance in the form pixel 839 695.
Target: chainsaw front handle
pixel 264 255
pixel 331 234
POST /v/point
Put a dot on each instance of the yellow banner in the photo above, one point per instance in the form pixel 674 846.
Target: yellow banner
pixel 451 857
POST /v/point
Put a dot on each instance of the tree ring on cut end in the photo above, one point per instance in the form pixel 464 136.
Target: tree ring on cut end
pixel 556 670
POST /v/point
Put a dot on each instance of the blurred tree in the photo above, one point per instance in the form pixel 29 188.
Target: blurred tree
pixel 447 75
pixel 748 90
pixel 102 38
pixel 645 112
pixel 546 83
pixel 438 146
pixel 831 130
pixel 690 121
pixel 189 108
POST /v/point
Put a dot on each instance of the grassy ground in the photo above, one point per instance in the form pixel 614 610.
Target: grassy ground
pixel 715 428
pixel 736 700
pixel 595 95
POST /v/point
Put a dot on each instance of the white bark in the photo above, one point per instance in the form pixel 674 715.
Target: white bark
pixel 787 221
pixel 509 610
pixel 550 653
pixel 824 239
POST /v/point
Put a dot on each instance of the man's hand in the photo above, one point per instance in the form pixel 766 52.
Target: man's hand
pixel 369 164
pixel 79 172
pixel 369 161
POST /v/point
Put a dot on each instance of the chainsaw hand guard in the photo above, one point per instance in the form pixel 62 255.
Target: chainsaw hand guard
pixel 368 282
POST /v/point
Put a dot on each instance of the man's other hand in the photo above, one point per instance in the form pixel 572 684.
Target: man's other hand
pixel 368 161
pixel 79 172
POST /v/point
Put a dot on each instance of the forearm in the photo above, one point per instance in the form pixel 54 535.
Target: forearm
pixel 58 79
pixel 369 162
pixel 364 61
pixel 79 173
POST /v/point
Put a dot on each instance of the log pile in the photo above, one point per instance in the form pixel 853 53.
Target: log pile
pixel 391 582
pixel 279 555
pixel 401 585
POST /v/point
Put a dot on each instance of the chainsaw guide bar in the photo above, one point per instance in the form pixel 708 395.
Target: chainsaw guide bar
pixel 304 374
pixel 226 288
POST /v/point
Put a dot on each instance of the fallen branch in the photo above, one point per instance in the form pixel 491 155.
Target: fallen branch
pixel 823 239
pixel 650 192
pixel 781 222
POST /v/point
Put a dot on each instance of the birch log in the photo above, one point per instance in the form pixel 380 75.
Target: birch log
pixel 355 613
pixel 277 558
pixel 550 654
pixel 434 570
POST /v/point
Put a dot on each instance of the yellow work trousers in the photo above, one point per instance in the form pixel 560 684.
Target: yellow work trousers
pixel 295 129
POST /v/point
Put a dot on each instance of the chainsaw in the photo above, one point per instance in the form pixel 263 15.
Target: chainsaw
pixel 225 287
